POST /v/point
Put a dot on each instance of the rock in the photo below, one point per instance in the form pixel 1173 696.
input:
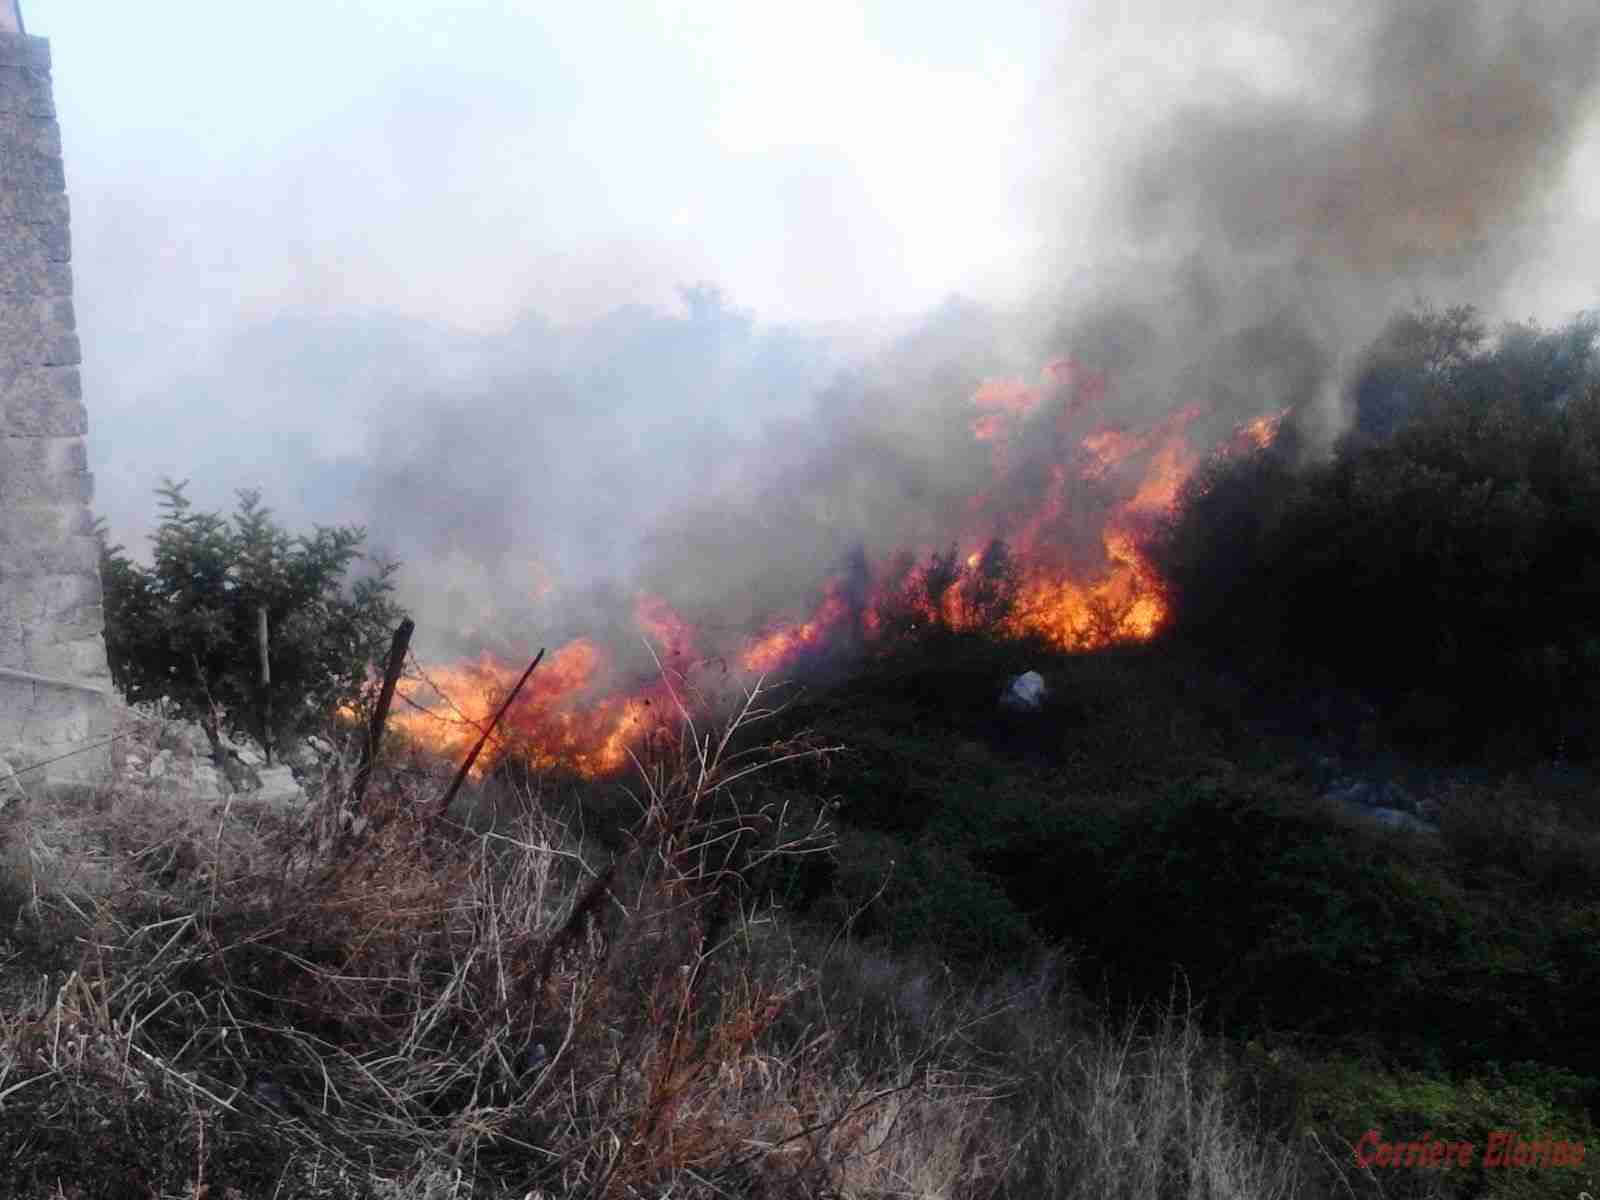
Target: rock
pixel 321 745
pixel 1372 794
pixel 278 785
pixel 268 1092
pixel 1025 693
pixel 10 786
pixel 161 765
pixel 1394 818
pixel 249 755
pixel 207 782
pixel 299 755
pixel 241 778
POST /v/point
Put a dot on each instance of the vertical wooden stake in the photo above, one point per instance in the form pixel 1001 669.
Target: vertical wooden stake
pixel 380 715
pixel 266 682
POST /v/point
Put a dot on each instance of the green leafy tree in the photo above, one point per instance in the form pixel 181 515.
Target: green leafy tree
pixel 185 630
pixel 1449 570
pixel 1421 354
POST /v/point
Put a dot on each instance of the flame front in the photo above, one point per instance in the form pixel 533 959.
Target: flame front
pixel 1073 573
pixel 556 720
pixel 784 643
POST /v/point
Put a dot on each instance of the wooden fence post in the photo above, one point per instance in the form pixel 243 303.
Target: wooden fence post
pixel 266 682
pixel 380 715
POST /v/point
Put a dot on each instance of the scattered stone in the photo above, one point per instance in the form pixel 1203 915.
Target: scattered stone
pixel 278 785
pixel 161 765
pixel 249 755
pixel 207 782
pixel 1380 800
pixel 1025 693
pixel 10 786
pixel 299 755
pixel 241 778
pixel 269 1092
pixel 1394 818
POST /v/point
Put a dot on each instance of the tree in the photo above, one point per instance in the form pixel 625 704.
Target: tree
pixel 1420 354
pixel 993 586
pixel 185 629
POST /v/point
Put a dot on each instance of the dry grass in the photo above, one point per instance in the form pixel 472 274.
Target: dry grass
pixel 382 1004
pixel 1146 1111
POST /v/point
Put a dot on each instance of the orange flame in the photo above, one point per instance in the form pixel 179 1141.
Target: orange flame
pixel 555 720
pixel 1075 586
pixel 669 634
pixel 784 643
pixel 1263 431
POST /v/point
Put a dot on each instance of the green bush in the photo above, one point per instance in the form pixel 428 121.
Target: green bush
pixel 1459 556
pixel 185 629
pixel 1339 1098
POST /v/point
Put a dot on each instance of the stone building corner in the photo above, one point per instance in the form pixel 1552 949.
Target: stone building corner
pixel 56 701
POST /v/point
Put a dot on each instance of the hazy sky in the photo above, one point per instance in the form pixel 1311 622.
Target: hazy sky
pixel 464 161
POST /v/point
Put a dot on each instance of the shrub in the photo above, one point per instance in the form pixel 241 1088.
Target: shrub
pixel 1459 556
pixel 185 629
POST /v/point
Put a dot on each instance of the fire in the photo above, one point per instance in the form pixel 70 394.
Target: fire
pixel 1002 401
pixel 784 643
pixel 669 634
pixel 1052 548
pixel 1111 446
pixel 1172 464
pixel 1263 431
pixel 556 720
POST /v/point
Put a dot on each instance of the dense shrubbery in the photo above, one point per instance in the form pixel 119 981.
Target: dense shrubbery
pixel 1143 823
pixel 1447 556
pixel 185 629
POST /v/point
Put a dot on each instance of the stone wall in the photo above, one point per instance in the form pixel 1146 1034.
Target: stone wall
pixel 54 686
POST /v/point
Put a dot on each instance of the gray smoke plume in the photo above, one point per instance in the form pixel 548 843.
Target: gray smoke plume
pixel 1246 192
pixel 1282 177
pixel 1232 200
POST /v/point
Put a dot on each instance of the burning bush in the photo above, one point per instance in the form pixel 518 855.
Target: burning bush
pixel 1046 544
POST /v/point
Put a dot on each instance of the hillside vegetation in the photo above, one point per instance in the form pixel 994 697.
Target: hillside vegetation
pixel 1445 558
pixel 875 935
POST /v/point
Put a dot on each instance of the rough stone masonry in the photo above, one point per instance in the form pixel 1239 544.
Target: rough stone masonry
pixel 55 689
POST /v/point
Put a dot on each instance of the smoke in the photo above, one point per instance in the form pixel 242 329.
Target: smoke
pixel 1226 225
pixel 1275 193
pixel 1229 201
